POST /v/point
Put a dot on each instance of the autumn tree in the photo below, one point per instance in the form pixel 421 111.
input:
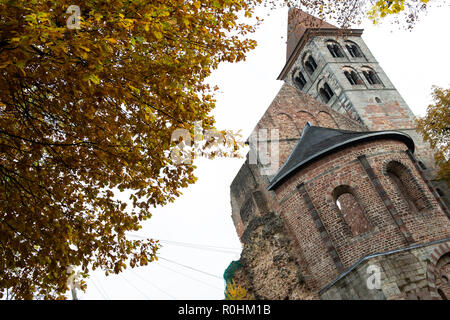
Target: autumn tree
pixel 235 292
pixel 90 94
pixel 347 13
pixel 435 128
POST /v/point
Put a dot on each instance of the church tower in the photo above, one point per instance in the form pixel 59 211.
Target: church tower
pixel 336 67
pixel 349 211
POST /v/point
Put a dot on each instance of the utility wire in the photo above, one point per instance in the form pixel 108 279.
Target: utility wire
pixel 193 245
pixel 189 277
pixel 131 284
pixel 206 248
pixel 191 268
pixel 98 289
pixel 103 289
pixel 155 286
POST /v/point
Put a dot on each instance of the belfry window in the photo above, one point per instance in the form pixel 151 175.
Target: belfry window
pixel 352 77
pixel 310 64
pixel 371 76
pixel 353 49
pixel 326 93
pixel 335 50
pixel 300 80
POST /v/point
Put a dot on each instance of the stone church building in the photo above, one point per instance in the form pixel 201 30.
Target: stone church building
pixel 353 209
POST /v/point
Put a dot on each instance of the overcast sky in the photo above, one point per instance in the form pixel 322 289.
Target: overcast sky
pixel 414 61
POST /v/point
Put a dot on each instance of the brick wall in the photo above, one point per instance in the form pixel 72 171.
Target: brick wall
pixel 388 220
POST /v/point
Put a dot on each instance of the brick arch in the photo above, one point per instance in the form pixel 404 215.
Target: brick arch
pixel 287 126
pixel 335 184
pixel 302 117
pixel 326 120
pixel 412 191
pixel 352 212
pixel 432 271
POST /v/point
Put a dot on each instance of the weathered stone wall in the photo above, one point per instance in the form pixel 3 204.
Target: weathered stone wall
pixel 270 262
pixel 404 275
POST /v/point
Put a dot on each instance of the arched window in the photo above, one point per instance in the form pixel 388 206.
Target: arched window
pixel 351 210
pixel 335 49
pixel 352 77
pixel 325 92
pixel 371 76
pixel 353 49
pixel 405 186
pixel 310 64
pixel 442 274
pixel 299 80
pixel 378 100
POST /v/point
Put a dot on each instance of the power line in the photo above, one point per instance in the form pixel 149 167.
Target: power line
pixel 100 291
pixel 194 245
pixel 185 275
pixel 152 284
pixel 103 289
pixel 206 248
pixel 191 268
pixel 130 283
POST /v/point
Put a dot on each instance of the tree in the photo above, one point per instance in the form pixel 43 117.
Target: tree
pixel 89 98
pixel 435 128
pixel 345 13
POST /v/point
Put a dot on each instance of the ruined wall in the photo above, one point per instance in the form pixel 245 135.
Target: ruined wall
pixel 270 267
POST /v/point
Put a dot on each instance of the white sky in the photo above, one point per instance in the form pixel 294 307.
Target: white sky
pixel 414 61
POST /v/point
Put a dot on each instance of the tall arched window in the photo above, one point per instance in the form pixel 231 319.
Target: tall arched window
pixel 325 92
pixel 335 49
pixel 405 186
pixel 371 76
pixel 310 64
pixel 299 80
pixel 352 77
pixel 353 49
pixel 351 210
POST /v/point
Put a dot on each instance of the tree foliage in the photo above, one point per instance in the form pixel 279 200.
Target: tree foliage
pixel 435 128
pixel 86 116
pixel 235 292
pixel 347 13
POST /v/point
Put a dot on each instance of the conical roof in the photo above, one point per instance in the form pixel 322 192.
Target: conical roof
pixel 316 142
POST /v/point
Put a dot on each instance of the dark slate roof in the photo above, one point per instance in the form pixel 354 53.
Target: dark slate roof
pixel 316 142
